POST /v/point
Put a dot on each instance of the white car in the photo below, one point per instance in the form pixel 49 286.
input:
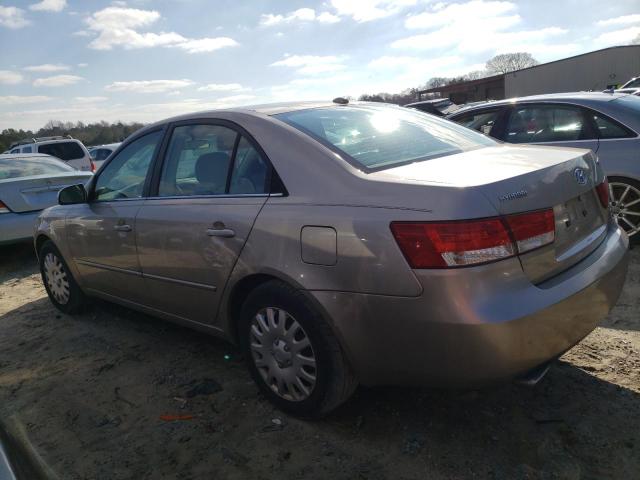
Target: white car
pixel 66 148
pixel 100 153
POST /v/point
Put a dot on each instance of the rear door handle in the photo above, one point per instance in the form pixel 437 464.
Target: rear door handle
pixel 122 228
pixel 221 232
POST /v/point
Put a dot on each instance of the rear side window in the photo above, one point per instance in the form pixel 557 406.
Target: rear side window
pixel 609 128
pixel 249 173
pixel 375 138
pixel 27 149
pixel 482 122
pixel 63 150
pixel 25 167
pixel 546 123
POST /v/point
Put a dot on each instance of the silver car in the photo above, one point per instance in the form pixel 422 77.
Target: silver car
pixel 30 183
pixel 607 123
pixel 342 244
pixel 100 153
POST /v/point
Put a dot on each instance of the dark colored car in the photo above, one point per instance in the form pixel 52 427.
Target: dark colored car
pixel 439 106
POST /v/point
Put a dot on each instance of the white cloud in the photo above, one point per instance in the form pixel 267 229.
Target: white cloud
pixel 618 37
pixel 57 81
pixel 202 45
pixel 47 67
pixel 367 10
pixel 84 100
pixel 12 17
pixel 623 20
pixel 148 86
pixel 49 6
pixel 22 100
pixel 300 15
pixel 117 26
pixel 235 99
pixel 221 87
pixel 8 77
pixel 478 26
pixel 312 64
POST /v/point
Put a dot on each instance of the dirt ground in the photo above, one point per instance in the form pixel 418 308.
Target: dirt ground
pixel 91 393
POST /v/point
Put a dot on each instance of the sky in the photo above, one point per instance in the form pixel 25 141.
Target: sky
pixel 145 60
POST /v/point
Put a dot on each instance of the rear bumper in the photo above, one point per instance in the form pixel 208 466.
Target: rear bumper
pixel 479 325
pixel 16 227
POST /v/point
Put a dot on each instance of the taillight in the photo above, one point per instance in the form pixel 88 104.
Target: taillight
pixel 532 230
pixel 4 208
pixel 603 193
pixel 93 165
pixel 472 242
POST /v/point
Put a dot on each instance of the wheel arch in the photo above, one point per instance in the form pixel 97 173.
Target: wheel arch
pixel 40 240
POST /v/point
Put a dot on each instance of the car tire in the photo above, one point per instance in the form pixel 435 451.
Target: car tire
pixel 292 353
pixel 620 202
pixel 63 291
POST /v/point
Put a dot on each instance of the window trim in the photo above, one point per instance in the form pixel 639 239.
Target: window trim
pixel 240 132
pixel 582 109
pixel 91 194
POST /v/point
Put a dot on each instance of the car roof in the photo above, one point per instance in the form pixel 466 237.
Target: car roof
pixel 433 101
pixel 27 155
pixel 569 97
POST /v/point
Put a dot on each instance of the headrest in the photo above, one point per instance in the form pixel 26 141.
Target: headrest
pixel 212 167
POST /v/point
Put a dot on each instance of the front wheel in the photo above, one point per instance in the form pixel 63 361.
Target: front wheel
pixel 292 353
pixel 624 198
pixel 63 291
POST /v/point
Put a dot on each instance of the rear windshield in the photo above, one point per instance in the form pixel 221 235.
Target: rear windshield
pixel 63 150
pixel 26 167
pixel 379 137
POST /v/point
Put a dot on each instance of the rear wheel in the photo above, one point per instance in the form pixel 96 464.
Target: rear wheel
pixel 292 353
pixel 63 291
pixel 624 199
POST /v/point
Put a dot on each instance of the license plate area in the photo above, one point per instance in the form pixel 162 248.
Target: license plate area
pixel 576 220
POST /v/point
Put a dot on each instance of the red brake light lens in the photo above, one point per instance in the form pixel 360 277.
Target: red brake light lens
pixel 472 242
pixel 603 193
pixel 4 208
pixel 453 244
pixel 532 230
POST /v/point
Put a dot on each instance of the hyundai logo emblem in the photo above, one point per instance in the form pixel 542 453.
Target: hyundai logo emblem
pixel 581 176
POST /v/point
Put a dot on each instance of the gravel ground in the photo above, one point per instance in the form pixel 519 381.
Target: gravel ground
pixel 114 394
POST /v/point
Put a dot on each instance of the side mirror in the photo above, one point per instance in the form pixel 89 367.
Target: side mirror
pixel 72 194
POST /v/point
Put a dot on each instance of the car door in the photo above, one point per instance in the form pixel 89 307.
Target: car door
pixel 213 182
pixel 558 124
pixel 101 233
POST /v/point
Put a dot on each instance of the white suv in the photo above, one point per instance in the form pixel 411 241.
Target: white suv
pixel 68 149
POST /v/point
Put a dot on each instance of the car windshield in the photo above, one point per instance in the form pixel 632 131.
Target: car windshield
pixel 26 167
pixel 376 138
pixel 635 83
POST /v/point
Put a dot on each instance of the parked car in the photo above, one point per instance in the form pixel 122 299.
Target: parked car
pixel 606 123
pixel 65 148
pixel 633 83
pixel 345 244
pixel 631 91
pixel 439 106
pixel 100 153
pixel 30 183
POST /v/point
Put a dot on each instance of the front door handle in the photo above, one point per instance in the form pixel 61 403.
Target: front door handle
pixel 122 228
pixel 221 232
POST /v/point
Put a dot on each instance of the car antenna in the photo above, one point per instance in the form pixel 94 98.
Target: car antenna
pixel 341 101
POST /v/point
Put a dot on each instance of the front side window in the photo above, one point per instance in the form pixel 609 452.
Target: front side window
pixel 27 149
pixel 63 150
pixel 125 175
pixel 379 137
pixel 482 122
pixel 542 123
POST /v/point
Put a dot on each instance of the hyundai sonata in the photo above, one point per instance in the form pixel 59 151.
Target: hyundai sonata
pixel 341 244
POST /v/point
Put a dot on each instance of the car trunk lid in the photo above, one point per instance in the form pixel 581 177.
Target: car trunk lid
pixel 517 179
pixel 28 194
